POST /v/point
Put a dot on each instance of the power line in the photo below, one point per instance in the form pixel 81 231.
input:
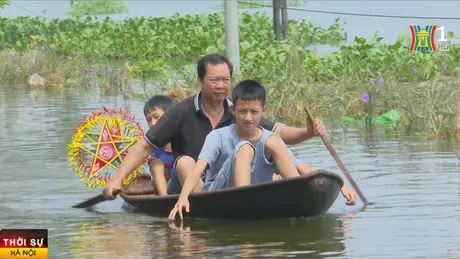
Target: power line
pixel 320 11
pixel 24 9
pixel 358 14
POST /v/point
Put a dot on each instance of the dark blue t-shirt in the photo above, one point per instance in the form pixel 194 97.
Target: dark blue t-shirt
pixel 166 157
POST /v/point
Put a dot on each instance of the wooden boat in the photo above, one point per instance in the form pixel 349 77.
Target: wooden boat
pixel 303 196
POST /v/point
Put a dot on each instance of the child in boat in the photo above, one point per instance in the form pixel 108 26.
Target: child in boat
pixel 243 153
pixel 161 161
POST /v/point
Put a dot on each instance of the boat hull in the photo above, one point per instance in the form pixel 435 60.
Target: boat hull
pixel 303 196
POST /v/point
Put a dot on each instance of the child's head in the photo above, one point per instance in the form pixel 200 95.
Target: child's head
pixel 248 103
pixel 155 107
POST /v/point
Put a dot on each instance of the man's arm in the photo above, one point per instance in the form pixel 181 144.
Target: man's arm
pixel 167 126
pixel 156 137
pixel 290 135
pixel 133 159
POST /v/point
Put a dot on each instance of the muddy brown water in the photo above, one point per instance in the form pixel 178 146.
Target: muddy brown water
pixel 414 184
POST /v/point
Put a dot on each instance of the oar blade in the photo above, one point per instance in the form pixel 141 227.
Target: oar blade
pixel 90 202
pixel 95 200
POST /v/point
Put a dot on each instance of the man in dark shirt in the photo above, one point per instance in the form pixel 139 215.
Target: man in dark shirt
pixel 186 125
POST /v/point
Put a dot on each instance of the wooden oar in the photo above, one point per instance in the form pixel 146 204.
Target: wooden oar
pixel 94 200
pixel 338 161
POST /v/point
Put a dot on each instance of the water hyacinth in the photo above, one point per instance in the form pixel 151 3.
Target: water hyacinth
pixel 387 74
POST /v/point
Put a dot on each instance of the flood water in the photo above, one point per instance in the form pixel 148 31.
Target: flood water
pixel 414 184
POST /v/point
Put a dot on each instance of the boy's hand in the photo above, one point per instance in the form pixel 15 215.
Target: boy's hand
pixel 180 205
pixel 349 195
pixel 150 159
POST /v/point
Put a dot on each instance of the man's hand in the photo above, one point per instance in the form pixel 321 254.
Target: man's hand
pixel 180 205
pixel 316 127
pixel 112 190
pixel 349 195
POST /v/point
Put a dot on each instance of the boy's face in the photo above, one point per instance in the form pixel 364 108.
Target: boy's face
pixel 248 113
pixel 153 116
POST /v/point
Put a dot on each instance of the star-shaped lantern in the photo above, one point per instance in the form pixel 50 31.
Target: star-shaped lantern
pixel 100 143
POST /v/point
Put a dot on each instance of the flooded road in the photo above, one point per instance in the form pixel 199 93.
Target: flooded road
pixel 414 184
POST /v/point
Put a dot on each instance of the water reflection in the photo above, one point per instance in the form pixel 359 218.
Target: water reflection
pixel 100 239
pixel 313 238
pixel 319 237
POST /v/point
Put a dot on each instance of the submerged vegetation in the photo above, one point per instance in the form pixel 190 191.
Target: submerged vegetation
pixel 357 83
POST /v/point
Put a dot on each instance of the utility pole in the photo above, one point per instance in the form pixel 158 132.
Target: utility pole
pixel 280 20
pixel 232 40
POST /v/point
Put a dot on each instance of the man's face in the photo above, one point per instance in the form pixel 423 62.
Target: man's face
pixel 216 83
pixel 153 116
pixel 248 113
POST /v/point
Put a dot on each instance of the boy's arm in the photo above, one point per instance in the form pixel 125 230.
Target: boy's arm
pixel 285 159
pixel 157 170
pixel 209 154
pixel 304 169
